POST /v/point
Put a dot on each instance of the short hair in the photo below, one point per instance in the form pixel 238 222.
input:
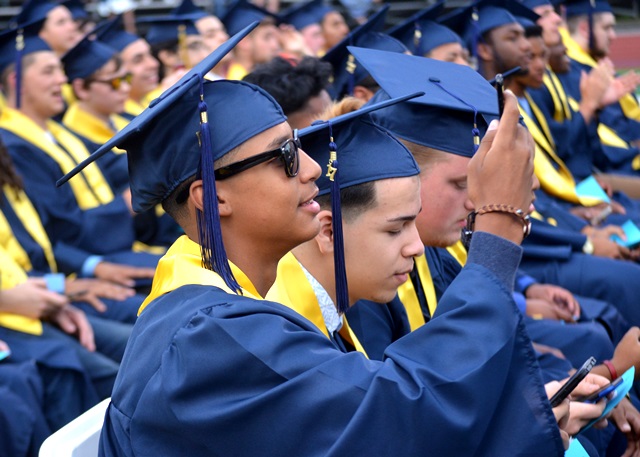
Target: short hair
pixel 533 31
pixel 425 156
pixel 4 77
pixel 292 85
pixel 8 173
pixel 354 200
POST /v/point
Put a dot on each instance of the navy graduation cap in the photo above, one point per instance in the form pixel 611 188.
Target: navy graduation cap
pixel 356 151
pixel 182 133
pixel 77 9
pixel 35 10
pixel 16 43
pixel 86 57
pixel 187 7
pixel 243 13
pixel 453 114
pixel 421 33
pixel 305 13
pixel 531 4
pixel 346 72
pixel 169 28
pixel 112 33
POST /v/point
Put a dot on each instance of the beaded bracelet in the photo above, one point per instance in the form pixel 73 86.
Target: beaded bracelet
pixel 495 208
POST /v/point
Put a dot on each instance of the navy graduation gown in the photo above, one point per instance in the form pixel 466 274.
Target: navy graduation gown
pixel 210 373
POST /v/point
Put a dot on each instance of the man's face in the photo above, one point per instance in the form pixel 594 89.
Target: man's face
pixel 539 57
pixel 390 226
pixel 42 82
pixel 59 30
pixel 510 48
pixel 445 203
pixel 137 60
pixel 313 38
pixel 334 28
pixel 558 58
pixel 266 45
pixel 550 23
pixel 196 50
pixel 100 93
pixel 449 52
pixel 212 32
pixel 273 211
pixel 604 32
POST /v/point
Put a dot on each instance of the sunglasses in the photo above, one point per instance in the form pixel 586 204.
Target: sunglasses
pixel 287 152
pixel 116 82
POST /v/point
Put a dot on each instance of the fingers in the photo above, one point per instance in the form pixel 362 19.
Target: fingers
pixel 95 302
pixel 507 131
pixel 84 329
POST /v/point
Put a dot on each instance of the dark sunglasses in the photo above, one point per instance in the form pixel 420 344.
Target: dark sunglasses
pixel 116 82
pixel 287 152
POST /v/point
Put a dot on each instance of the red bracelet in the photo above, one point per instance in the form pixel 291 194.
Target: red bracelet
pixel 612 369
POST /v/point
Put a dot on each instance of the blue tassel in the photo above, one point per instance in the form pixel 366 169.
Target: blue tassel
pixel 592 42
pixel 19 51
pixel 214 256
pixel 342 289
pixel 475 39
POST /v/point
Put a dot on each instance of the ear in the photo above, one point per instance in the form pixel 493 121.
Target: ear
pixel 583 28
pixel 79 89
pixel 324 239
pixel 485 52
pixel 362 93
pixel 196 198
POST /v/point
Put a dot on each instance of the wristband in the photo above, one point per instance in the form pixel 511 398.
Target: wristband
pixel 612 369
pixel 467 232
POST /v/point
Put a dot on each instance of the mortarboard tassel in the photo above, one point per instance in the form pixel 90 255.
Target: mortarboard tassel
pixel 214 256
pixel 474 131
pixel 342 290
pixel 19 50
pixel 475 38
pixel 182 46
pixel 592 44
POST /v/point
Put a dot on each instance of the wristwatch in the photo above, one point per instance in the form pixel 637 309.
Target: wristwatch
pixel 588 247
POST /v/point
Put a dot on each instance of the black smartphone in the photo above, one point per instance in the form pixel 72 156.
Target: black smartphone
pixel 573 382
pixel 601 392
pixel 500 89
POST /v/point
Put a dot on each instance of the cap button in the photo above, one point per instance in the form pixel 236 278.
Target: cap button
pixel 433 79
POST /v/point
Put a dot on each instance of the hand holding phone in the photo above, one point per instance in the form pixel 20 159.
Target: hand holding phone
pixel 601 393
pixel 573 382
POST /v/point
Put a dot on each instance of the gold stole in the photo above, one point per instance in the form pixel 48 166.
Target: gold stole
pixel 628 103
pixel 558 182
pixel 11 275
pixel 182 265
pixel 562 110
pixel 236 72
pixel 293 290
pixel 31 222
pixel 90 192
pixel 458 252
pixel 87 125
pixel 151 96
pixel 409 297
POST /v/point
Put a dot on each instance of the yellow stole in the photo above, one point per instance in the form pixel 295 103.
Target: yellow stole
pixel 89 126
pixel 293 290
pixel 151 96
pixel 132 107
pixel 11 275
pixel 91 188
pixel 182 265
pixel 628 103
pixel 409 297
pixel 236 72
pixel 31 221
pixel 562 110
pixel 557 182
pixel 458 252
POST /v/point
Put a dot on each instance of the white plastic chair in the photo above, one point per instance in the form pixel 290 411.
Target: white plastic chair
pixel 80 437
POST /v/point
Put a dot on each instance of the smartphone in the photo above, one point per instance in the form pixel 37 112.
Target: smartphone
pixel 500 89
pixel 601 392
pixel 573 382
pixel 601 216
pixel 5 354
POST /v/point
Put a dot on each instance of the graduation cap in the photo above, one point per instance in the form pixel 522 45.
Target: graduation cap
pixel 531 4
pixel 86 57
pixel 306 13
pixel 35 10
pixel 356 151
pixel 587 8
pixel 16 43
pixel 346 72
pixel 421 33
pixel 112 33
pixel 455 111
pixel 182 133
pixel 188 8
pixel 77 9
pixel 242 13
pixel 169 28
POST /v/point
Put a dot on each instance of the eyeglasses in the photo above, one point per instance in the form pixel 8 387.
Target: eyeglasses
pixel 287 152
pixel 116 82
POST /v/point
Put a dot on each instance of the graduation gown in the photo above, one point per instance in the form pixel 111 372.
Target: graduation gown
pixel 208 372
